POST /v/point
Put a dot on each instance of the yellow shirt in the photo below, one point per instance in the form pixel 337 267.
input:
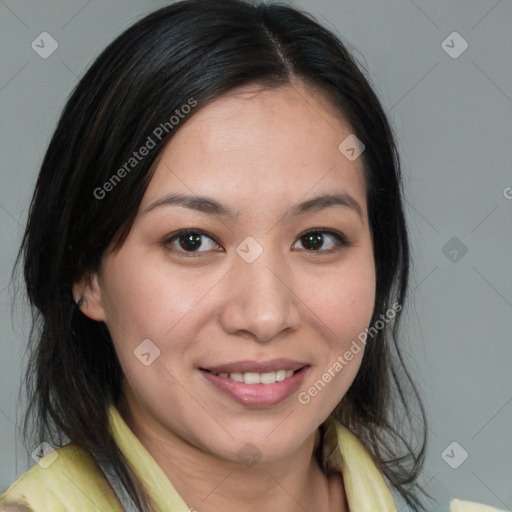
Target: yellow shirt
pixel 68 480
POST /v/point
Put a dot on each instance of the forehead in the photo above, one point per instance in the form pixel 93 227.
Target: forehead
pixel 274 145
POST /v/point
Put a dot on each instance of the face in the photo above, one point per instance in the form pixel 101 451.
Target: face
pixel 256 286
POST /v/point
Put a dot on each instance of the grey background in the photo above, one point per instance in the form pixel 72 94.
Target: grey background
pixel 452 117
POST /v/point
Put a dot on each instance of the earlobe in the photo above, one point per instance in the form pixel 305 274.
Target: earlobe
pixel 87 296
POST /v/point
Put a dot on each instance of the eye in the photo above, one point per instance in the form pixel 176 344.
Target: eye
pixel 188 242
pixel 315 239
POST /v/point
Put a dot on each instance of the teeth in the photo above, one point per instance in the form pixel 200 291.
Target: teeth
pixel 257 378
pixel 252 378
pixel 268 378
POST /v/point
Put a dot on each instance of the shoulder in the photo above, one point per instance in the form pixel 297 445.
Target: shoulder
pixel 343 450
pixel 470 506
pixel 63 481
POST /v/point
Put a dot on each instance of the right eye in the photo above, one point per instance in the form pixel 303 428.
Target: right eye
pixel 186 242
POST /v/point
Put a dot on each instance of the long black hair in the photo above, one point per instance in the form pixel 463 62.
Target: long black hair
pixel 190 53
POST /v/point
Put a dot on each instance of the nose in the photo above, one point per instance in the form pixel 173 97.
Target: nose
pixel 260 300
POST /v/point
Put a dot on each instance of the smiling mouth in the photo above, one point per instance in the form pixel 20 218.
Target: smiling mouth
pixel 255 377
pixel 254 384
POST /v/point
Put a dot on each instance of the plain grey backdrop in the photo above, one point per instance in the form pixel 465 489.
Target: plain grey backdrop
pixel 443 71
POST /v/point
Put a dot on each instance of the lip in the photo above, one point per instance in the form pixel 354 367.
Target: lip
pixel 258 395
pixel 255 366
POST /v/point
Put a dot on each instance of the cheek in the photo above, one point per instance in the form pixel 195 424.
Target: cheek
pixel 343 304
pixel 344 301
pixel 149 300
pixel 146 300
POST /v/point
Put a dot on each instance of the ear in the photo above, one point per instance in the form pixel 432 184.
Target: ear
pixel 88 289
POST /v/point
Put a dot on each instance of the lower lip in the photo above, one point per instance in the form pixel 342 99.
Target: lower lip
pixel 258 395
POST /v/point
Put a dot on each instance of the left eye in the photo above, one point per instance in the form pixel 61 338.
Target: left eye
pixel 315 239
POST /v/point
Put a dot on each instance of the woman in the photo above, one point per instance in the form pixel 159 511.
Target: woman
pixel 217 256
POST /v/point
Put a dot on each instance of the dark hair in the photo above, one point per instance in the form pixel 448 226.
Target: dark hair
pixel 195 51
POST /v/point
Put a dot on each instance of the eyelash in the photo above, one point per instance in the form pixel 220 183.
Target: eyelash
pixel 340 240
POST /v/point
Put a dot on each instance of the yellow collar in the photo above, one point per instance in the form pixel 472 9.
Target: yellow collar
pixel 364 485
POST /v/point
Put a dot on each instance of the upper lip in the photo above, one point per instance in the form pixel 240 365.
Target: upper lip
pixel 257 367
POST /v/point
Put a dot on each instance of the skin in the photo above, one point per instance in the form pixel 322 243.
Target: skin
pixel 258 151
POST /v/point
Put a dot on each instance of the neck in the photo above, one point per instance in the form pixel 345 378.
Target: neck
pixel 208 483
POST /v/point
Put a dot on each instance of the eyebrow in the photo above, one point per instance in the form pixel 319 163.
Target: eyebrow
pixel 211 206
